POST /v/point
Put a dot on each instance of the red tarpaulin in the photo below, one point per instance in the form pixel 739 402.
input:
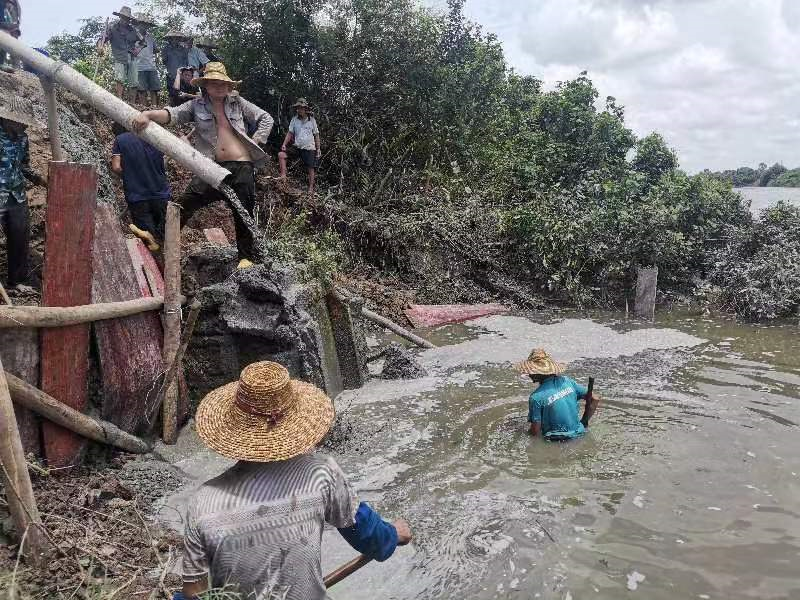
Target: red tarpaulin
pixel 430 315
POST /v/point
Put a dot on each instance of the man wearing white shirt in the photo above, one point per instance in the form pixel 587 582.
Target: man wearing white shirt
pixel 303 134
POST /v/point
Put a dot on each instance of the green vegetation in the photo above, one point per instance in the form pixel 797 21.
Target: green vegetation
pixel 438 156
pixel 775 176
pixel 787 179
pixel 757 271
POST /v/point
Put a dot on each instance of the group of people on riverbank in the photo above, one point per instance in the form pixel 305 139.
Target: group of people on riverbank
pixel 134 53
pixel 227 129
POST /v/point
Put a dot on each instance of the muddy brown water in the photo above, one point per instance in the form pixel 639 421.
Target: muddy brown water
pixel 687 486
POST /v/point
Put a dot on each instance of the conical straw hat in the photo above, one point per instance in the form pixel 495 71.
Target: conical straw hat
pixel 265 416
pixel 539 363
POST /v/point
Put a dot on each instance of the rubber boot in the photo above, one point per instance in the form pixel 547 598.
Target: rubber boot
pixel 146 237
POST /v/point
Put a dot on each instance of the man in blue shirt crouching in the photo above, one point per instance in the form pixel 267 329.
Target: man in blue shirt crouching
pixel 553 406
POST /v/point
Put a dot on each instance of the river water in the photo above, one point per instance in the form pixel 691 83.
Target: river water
pixel 687 486
pixel 762 197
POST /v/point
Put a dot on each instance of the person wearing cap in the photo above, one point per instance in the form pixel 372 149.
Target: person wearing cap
pixel 124 39
pixel 207 46
pixel 256 530
pixel 553 406
pixel 144 181
pixel 303 133
pixel 16 115
pixel 174 55
pixel 182 88
pixel 145 62
pixel 221 119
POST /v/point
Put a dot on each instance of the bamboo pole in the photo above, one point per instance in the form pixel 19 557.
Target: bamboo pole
pixel 388 323
pixel 52 118
pixel 15 477
pixel 62 316
pixel 172 317
pixel 392 326
pixel 98 430
pixel 174 368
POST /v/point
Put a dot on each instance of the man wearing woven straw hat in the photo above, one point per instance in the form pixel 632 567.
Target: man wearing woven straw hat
pixel 16 114
pixel 257 528
pixel 553 406
pixel 304 135
pixel 221 119
pixel 124 39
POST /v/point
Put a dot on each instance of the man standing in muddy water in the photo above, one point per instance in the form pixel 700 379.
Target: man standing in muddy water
pixel 221 118
pixel 553 406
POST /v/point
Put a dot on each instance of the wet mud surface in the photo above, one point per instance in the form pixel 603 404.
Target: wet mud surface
pixel 686 485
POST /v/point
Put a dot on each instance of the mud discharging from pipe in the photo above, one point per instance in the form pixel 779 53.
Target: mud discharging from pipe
pixel 259 239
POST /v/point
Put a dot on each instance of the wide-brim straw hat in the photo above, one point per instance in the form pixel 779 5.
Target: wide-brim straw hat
pixel 215 71
pixel 265 416
pixel 15 108
pixel 301 103
pixel 125 12
pixel 539 363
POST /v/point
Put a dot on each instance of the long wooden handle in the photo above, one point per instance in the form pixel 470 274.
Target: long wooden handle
pixel 345 570
pixel 590 387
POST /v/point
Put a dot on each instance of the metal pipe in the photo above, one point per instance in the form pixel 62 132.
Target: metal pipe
pixel 52 118
pixel 116 109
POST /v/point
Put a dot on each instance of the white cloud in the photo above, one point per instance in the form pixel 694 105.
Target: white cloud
pixel 719 78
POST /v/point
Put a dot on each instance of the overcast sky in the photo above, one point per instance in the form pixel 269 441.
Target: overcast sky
pixel 720 79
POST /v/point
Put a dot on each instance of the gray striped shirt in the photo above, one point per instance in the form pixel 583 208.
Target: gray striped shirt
pixel 257 528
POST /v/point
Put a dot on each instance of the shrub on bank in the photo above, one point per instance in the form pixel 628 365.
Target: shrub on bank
pixel 758 268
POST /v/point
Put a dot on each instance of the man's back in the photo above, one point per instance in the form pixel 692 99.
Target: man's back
pixel 555 405
pixel 143 173
pixel 260 525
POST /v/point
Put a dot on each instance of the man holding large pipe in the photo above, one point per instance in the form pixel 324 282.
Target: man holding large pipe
pixel 256 530
pixel 221 119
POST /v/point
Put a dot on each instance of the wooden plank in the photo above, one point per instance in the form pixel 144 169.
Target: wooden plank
pixel 133 245
pixel 644 305
pixel 129 348
pixel 67 281
pixel 152 282
pixel 19 353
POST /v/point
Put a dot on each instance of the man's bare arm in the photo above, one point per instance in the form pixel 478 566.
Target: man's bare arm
pixel 536 429
pixel 116 164
pixel 142 120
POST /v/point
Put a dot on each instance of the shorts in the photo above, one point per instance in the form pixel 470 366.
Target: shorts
pixel 309 158
pixel 148 81
pixel 125 73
